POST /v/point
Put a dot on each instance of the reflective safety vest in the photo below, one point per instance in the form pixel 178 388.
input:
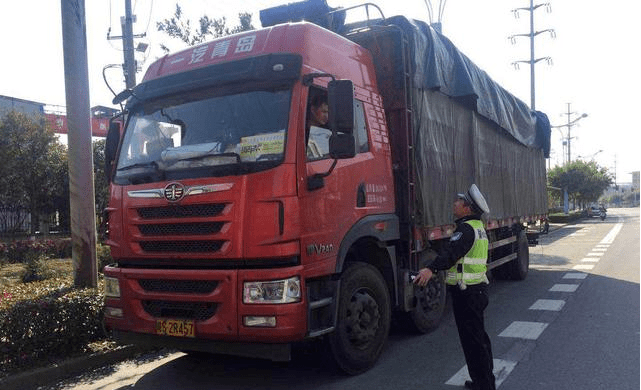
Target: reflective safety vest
pixel 471 268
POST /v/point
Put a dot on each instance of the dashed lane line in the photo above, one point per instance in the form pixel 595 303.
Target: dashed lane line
pixel 502 369
pixel 524 330
pixel 562 287
pixel 548 304
pixel 575 275
pixel 595 254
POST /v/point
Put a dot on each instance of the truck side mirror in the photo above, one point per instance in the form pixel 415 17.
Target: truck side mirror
pixel 340 100
pixel 342 146
pixel 111 147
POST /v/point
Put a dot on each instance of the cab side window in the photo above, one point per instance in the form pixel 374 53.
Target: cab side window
pixel 360 129
pixel 317 133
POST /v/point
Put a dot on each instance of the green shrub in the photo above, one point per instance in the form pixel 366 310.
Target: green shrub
pixel 565 218
pixel 36 268
pixel 19 251
pixel 62 248
pixel 103 255
pixel 49 327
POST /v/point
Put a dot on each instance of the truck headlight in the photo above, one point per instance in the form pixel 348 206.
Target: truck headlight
pixel 112 288
pixel 273 291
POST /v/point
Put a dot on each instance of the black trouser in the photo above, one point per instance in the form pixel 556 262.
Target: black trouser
pixel 469 305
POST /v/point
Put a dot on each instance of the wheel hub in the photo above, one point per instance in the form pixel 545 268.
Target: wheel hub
pixel 428 296
pixel 362 320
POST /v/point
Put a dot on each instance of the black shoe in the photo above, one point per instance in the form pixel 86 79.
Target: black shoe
pixel 469 385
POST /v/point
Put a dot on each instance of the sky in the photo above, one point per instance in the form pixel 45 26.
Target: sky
pixel 593 61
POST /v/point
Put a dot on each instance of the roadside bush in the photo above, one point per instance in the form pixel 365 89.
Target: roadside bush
pixel 103 255
pixel 36 268
pixel 49 327
pixel 19 251
pixel 565 218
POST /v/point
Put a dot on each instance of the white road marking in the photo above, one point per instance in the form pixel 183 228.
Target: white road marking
pixel 590 260
pixel 502 369
pixel 564 288
pixel 575 275
pixel 599 249
pixel 609 238
pixel 548 304
pixel 524 330
pixel 583 267
pixel 597 254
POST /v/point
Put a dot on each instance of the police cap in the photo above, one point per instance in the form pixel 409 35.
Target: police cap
pixel 474 197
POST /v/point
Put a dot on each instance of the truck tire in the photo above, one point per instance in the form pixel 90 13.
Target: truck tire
pixel 363 320
pixel 430 306
pixel 518 268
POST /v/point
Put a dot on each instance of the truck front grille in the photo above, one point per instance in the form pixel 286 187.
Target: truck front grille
pixel 198 311
pixel 188 211
pixel 200 246
pixel 201 228
pixel 179 286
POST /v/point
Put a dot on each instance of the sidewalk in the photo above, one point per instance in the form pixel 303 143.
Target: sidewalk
pixel 47 376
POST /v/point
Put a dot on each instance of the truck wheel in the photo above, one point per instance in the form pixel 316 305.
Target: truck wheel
pixel 430 305
pixel 363 320
pixel 519 267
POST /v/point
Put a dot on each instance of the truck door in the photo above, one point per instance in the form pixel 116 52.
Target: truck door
pixel 332 206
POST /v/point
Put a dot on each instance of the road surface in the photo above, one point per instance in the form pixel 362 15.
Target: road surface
pixel 572 324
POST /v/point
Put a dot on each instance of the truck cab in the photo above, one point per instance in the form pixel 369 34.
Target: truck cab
pixel 229 217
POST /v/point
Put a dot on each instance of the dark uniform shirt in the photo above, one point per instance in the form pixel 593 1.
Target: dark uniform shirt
pixel 459 244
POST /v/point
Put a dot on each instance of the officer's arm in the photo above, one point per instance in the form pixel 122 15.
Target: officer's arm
pixel 459 244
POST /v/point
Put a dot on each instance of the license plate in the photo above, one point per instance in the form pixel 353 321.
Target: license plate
pixel 178 328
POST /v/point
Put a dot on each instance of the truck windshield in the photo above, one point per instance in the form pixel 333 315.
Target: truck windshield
pixel 204 135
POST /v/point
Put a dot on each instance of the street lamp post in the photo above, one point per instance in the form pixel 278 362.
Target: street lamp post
pixel 569 126
pixel 591 155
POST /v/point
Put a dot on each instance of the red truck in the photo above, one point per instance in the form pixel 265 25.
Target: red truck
pixel 236 228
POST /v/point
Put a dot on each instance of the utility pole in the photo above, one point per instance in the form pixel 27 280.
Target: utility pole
pixel 128 46
pixel 533 60
pixel 438 24
pixel 81 185
pixel 616 187
pixel 569 125
pixel 569 138
pixel 129 66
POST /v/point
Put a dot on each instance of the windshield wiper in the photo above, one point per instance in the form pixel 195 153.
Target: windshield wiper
pixel 150 164
pixel 210 154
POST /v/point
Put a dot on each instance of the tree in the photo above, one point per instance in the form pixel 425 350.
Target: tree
pixel 32 160
pixel 101 185
pixel 585 182
pixel 59 197
pixel 208 28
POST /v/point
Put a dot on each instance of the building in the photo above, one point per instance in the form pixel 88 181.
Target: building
pixel 28 107
pixel 56 117
pixel 635 180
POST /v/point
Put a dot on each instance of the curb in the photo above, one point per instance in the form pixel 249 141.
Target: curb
pixel 68 368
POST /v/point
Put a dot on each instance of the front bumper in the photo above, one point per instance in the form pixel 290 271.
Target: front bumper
pixel 212 299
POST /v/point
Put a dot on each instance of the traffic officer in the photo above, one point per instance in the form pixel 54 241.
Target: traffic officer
pixel 464 257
